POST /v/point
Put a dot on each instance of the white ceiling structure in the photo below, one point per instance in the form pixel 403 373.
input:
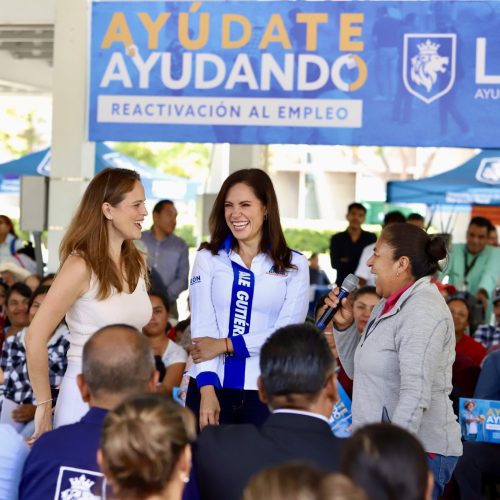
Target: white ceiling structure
pixel 26 46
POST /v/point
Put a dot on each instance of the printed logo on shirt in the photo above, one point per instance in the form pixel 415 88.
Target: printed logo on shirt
pixel 275 272
pixel 195 279
pixel 82 484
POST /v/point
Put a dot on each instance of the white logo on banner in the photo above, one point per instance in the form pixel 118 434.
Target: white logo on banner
pixel 432 73
pixel 43 168
pixel 489 171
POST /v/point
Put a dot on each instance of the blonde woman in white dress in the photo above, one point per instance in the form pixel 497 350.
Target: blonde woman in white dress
pixel 101 281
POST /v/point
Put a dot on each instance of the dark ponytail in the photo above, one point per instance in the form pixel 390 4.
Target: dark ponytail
pixel 423 251
pixel 436 249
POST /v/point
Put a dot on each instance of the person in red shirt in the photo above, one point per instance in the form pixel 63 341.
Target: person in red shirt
pixel 466 345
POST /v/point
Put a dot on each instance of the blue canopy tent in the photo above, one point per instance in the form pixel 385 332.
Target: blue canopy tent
pixel 157 184
pixel 476 182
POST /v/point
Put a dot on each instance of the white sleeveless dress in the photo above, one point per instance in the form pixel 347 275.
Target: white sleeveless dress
pixel 84 318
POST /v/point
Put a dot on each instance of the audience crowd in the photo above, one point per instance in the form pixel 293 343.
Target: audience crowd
pixel 138 440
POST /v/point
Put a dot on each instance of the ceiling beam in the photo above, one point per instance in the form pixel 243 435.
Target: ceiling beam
pixel 27 12
pixel 34 73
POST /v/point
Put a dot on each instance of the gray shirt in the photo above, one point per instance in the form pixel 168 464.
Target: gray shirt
pixel 403 362
pixel 170 258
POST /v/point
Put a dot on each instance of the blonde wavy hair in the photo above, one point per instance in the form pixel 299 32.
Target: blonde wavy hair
pixel 87 234
pixel 141 443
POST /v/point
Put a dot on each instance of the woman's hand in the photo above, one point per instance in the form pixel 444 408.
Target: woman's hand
pixel 24 413
pixel 209 407
pixel 344 317
pixel 205 348
pixel 43 421
pixel 328 331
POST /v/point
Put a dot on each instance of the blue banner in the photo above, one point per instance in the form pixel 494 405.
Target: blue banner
pixel 341 418
pixel 373 73
pixel 480 420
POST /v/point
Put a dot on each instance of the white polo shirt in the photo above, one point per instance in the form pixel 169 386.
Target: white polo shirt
pixel 264 301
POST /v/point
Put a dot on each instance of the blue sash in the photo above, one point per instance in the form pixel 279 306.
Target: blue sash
pixel 13 246
pixel 239 323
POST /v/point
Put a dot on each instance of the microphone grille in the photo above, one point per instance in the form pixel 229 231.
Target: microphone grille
pixel 350 283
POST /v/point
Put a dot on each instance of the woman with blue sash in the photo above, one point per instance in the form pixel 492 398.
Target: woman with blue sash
pixel 245 284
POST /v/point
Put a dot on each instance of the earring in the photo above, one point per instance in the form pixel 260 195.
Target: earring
pixel 265 216
pixel 184 477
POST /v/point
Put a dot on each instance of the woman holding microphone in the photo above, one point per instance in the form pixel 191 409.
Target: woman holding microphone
pixel 401 364
pixel 245 284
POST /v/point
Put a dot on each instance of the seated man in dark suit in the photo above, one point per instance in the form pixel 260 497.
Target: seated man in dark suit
pixel 298 383
pixel 117 361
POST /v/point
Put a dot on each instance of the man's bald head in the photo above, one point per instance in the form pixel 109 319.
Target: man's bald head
pixel 117 360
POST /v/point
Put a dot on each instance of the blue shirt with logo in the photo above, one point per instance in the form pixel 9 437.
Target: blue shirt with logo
pixel 63 462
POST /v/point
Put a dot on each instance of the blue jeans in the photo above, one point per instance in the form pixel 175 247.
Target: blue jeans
pixel 442 469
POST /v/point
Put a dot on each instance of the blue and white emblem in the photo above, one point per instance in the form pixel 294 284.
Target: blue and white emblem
pixel 43 168
pixel 429 63
pixel 73 483
pixel 489 171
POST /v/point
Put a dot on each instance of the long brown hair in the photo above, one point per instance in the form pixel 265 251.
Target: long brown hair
pixel 87 234
pixel 273 240
pixel 9 222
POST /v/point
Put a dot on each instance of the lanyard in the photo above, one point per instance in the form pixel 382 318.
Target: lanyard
pixel 468 267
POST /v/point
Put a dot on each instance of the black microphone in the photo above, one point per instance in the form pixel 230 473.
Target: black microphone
pixel 349 285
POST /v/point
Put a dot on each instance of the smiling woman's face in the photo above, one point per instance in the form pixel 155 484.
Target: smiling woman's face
pixel 362 308
pixel 159 320
pixel 17 309
pixel 244 213
pixel 384 267
pixel 460 315
pixel 126 218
